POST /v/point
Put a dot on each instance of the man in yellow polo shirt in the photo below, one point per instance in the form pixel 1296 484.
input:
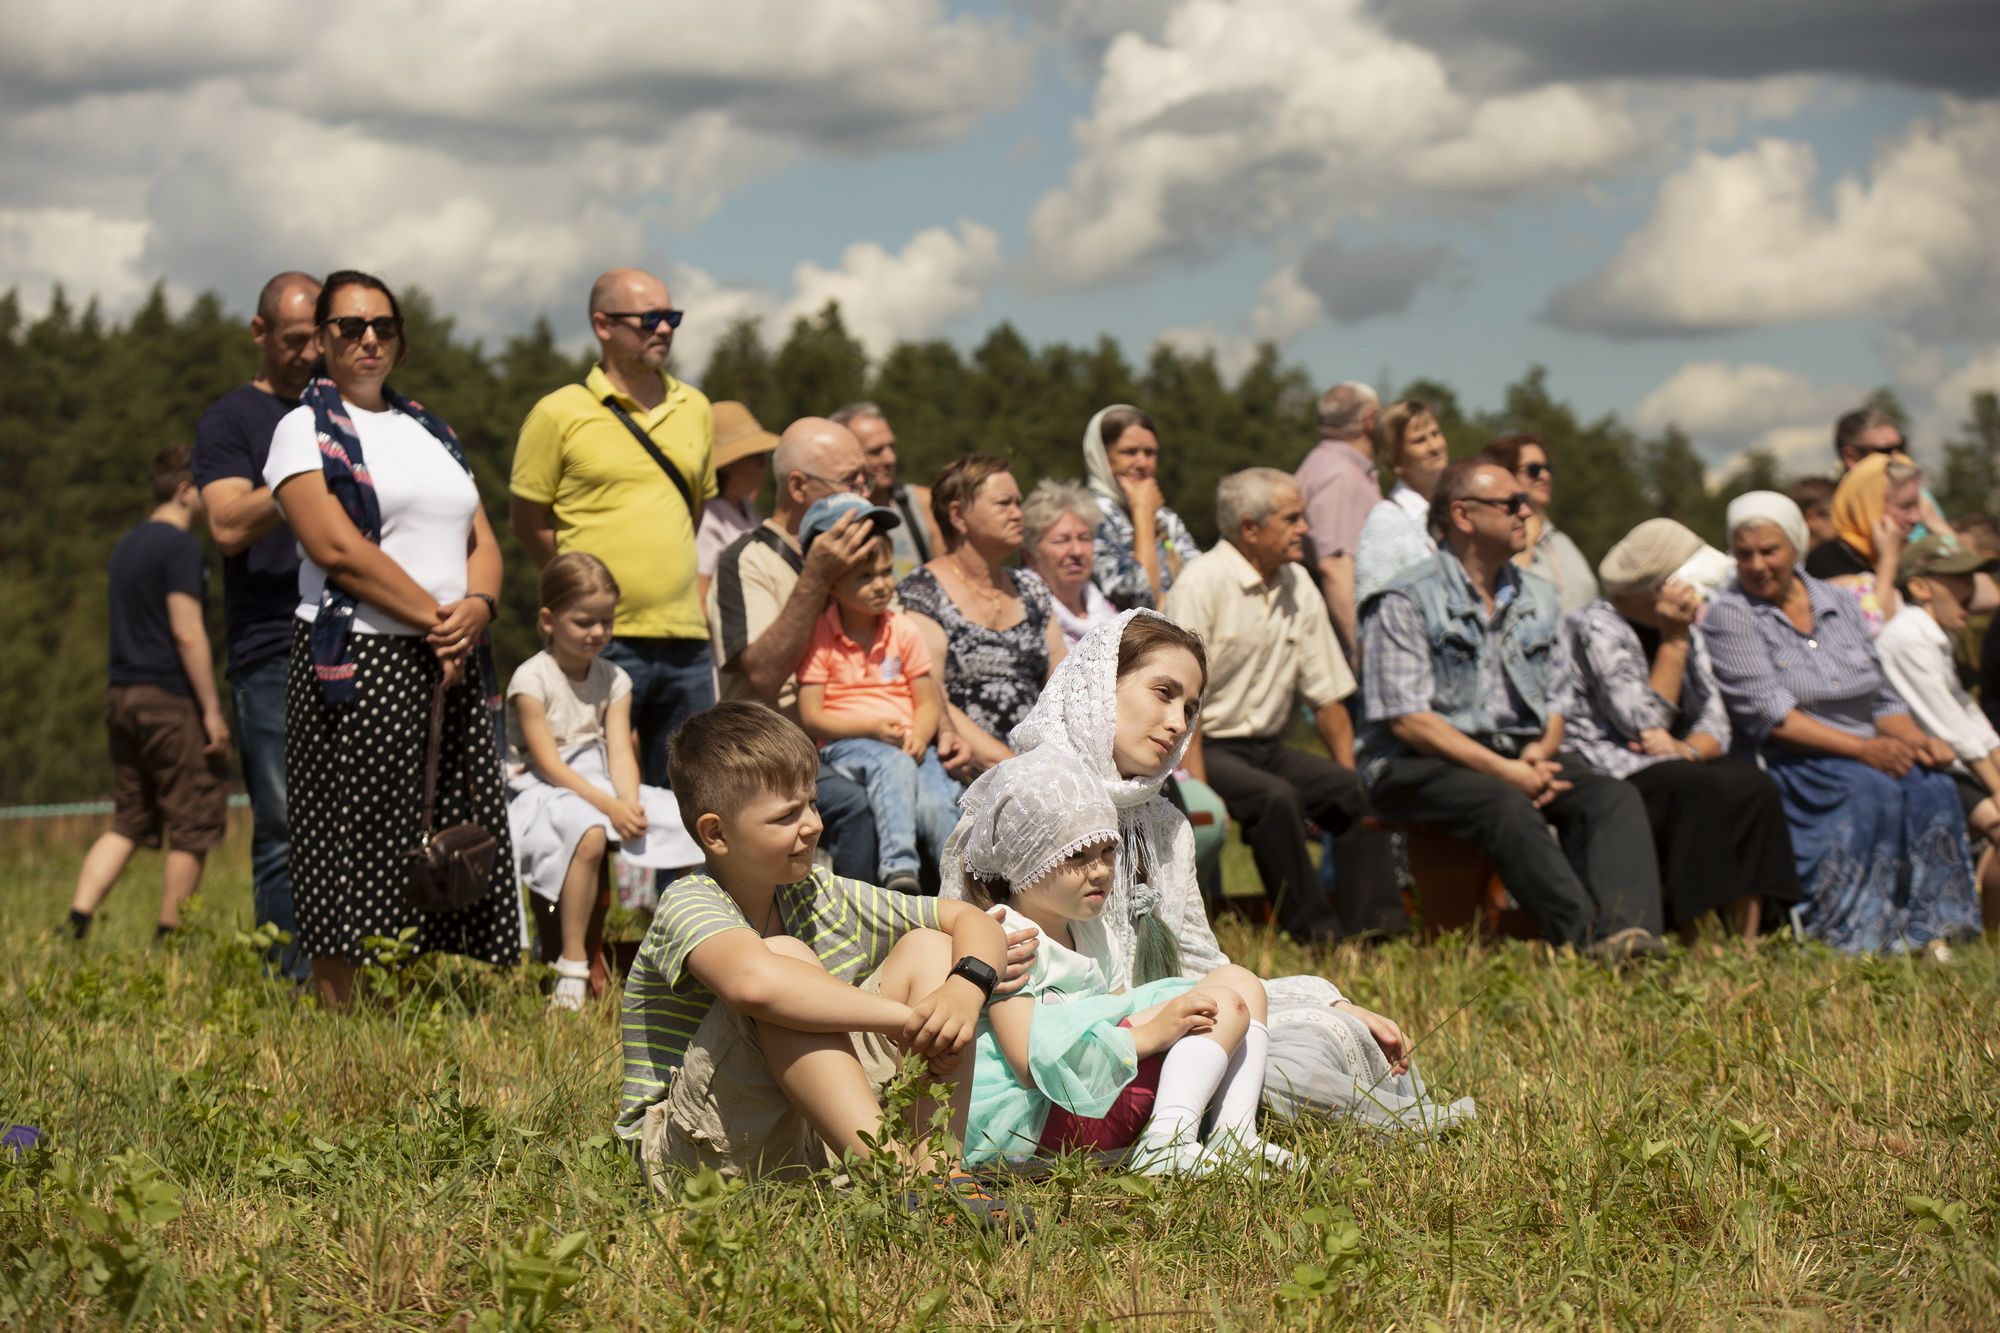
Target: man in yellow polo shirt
pixel 619 466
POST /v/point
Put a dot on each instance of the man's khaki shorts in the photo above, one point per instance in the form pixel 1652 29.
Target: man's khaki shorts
pixel 162 781
pixel 726 1110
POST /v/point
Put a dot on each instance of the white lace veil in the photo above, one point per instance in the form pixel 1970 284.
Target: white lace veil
pixel 1078 713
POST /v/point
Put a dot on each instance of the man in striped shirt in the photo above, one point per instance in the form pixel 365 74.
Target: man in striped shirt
pixel 771 1000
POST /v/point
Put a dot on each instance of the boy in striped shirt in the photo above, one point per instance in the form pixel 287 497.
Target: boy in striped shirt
pixel 771 1000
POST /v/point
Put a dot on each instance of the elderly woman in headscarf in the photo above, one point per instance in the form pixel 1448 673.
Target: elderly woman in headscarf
pixel 1141 543
pixel 1878 836
pixel 1640 702
pixel 1875 508
pixel 1125 702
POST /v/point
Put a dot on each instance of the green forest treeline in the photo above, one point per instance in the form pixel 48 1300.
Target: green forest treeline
pixel 84 403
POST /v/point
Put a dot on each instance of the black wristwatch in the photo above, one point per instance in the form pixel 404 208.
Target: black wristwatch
pixel 492 607
pixel 977 971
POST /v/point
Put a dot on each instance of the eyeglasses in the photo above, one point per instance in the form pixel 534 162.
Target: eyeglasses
pixel 1515 504
pixel 1866 451
pixel 649 320
pixel 856 481
pixel 1536 471
pixel 351 327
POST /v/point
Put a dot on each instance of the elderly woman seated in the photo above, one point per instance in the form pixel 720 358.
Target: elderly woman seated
pixel 1877 832
pixel 1640 702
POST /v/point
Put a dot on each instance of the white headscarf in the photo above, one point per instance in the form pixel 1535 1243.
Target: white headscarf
pixel 1023 816
pixel 1096 462
pixel 1078 712
pixel 1768 507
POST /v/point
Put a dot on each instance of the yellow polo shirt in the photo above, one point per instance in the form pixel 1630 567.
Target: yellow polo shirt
pixel 609 497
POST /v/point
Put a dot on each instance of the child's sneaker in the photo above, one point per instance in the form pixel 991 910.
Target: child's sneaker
pixel 969 1192
pixel 904 882
pixel 572 985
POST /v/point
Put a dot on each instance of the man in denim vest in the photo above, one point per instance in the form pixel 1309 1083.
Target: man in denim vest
pixel 1459 654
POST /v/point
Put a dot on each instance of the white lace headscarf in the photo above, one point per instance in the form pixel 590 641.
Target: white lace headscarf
pixel 1024 816
pixel 1078 713
pixel 1096 461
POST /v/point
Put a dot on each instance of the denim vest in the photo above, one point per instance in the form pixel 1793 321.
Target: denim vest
pixel 1455 623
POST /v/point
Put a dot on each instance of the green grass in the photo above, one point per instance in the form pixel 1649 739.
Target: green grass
pixel 1789 1139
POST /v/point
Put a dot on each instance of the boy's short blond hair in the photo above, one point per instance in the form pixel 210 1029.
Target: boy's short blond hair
pixel 724 757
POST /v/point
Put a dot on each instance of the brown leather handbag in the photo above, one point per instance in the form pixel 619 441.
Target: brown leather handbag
pixel 452 869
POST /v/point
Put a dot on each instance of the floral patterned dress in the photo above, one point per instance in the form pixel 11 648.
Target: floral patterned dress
pixel 993 675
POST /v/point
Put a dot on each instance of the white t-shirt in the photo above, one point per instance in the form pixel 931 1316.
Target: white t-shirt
pixel 427 505
pixel 575 709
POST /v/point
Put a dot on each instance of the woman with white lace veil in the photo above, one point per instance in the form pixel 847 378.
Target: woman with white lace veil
pixel 1124 701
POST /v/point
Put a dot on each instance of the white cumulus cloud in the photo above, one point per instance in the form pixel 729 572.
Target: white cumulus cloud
pixel 498 156
pixel 1756 238
pixel 1263 117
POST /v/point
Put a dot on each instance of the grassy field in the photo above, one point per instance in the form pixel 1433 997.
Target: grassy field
pixel 1789 1139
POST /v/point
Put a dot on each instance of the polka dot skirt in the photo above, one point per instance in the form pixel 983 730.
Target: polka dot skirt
pixel 354 782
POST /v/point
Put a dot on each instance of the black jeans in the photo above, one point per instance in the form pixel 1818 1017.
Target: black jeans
pixel 1603 877
pixel 1272 790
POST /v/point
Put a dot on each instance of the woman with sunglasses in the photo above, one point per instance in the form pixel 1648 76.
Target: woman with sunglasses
pixel 397 587
pixel 1550 553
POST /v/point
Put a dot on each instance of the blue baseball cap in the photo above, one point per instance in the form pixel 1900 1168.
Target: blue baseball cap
pixel 828 510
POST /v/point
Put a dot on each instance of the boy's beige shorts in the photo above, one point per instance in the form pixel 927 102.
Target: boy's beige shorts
pixel 726 1110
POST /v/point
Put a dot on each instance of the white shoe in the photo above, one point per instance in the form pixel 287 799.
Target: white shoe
pixel 572 985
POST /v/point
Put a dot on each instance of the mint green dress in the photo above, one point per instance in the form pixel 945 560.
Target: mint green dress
pixel 1078 1056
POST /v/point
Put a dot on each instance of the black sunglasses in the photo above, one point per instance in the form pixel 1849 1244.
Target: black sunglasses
pixel 1864 451
pixel 351 327
pixel 649 320
pixel 1514 504
pixel 1536 471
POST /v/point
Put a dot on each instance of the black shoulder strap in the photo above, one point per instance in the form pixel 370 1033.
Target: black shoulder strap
pixel 646 442
pixel 765 537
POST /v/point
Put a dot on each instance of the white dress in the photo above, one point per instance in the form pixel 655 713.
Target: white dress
pixel 1323 1061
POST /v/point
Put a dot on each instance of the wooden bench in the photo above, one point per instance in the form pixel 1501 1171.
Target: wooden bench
pixel 1456 887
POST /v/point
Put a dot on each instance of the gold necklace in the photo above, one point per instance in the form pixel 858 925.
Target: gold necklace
pixel 995 597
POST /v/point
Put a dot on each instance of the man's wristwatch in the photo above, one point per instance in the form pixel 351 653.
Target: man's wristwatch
pixel 977 971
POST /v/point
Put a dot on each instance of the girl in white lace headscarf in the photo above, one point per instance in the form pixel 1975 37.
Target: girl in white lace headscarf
pixel 1327 1055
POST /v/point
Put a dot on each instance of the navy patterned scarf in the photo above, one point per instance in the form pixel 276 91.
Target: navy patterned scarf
pixel 347 480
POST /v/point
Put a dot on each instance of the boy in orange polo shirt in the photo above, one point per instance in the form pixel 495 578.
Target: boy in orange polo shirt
pixel 867 695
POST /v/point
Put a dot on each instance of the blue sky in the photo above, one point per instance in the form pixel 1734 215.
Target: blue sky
pixel 1734 218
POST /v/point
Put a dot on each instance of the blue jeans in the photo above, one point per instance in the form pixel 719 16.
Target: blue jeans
pixel 850 825
pixel 260 741
pixel 672 680
pixel 912 801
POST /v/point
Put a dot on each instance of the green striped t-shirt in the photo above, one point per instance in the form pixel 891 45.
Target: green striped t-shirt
pixel 849 924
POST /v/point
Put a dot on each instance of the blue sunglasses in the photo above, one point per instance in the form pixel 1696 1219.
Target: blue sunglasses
pixel 649 320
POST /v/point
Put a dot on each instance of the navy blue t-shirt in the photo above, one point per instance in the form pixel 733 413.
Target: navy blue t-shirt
pixel 260 587
pixel 149 562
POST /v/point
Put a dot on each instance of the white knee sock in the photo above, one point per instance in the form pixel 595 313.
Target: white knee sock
pixel 1243 1085
pixel 1234 1134
pixel 1189 1076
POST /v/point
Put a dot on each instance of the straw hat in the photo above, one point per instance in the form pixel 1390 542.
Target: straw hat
pixel 738 436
